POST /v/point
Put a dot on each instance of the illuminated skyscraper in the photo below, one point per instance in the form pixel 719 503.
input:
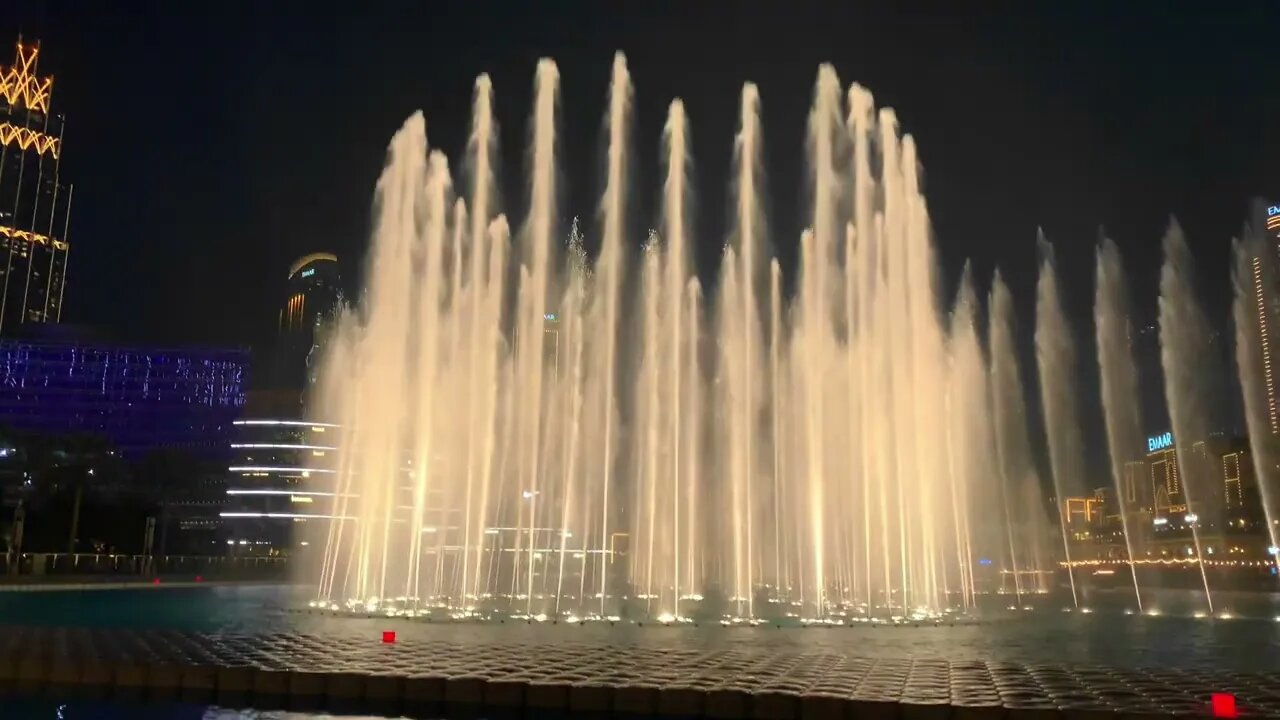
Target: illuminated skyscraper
pixel 1136 497
pixel 313 291
pixel 1166 480
pixel 1266 291
pixel 34 203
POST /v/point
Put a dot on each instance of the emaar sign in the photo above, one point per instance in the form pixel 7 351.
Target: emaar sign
pixel 1159 442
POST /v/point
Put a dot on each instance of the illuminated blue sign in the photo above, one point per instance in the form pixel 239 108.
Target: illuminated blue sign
pixel 1160 442
pixel 308 273
pixel 1273 210
pixel 549 317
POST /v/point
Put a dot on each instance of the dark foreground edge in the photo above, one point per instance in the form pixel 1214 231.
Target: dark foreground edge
pixel 429 678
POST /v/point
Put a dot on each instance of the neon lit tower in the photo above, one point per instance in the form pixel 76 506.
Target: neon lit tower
pixel 314 290
pixel 35 207
pixel 1266 291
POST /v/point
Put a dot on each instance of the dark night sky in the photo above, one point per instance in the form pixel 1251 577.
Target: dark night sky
pixel 212 143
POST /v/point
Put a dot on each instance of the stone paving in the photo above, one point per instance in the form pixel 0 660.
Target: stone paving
pixel 420 676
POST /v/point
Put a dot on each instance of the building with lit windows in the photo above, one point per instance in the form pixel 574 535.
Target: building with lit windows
pixel 312 293
pixel 1226 508
pixel 1136 489
pixel 35 202
pixel 140 399
pixel 1166 477
pixel 1223 524
pixel 1265 277
pixel 280 478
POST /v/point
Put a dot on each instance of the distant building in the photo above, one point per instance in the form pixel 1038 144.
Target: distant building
pixel 1265 269
pixel 140 399
pixel 1137 493
pixel 1166 481
pixel 35 203
pixel 279 479
pixel 1225 505
pixel 313 292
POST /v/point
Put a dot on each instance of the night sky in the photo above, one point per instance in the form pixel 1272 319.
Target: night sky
pixel 213 143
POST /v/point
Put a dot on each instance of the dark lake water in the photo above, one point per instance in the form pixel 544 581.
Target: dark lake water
pixel 42 709
pixel 1249 640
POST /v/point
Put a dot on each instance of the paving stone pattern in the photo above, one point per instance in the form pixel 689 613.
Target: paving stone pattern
pixel 416 675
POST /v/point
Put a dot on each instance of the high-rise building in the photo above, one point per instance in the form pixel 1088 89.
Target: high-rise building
pixel 312 292
pixel 35 204
pixel 139 399
pixel 1166 481
pixel 1135 486
pixel 280 477
pixel 1265 271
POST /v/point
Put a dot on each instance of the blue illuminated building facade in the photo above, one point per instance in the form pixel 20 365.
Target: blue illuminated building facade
pixel 139 399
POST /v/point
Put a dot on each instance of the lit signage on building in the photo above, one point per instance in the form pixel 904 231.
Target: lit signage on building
pixel 1159 442
pixel 308 273
pixel 1273 210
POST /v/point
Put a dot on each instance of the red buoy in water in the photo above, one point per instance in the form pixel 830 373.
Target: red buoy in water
pixel 1224 705
pixel 389 636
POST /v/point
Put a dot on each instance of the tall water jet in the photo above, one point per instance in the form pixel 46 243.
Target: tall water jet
pixel 500 453
pixel 924 526
pixel 482 345
pixel 676 272
pixel 733 437
pixel 969 437
pixel 1013 449
pixel 778 415
pixel 1119 375
pixel 572 392
pixel 1254 325
pixel 742 363
pixel 337 364
pixel 532 310
pixel 379 420
pixel 1184 342
pixel 427 359
pixel 817 248
pixel 613 212
pixel 1056 358
pixel 692 530
pixel 861 275
pixel 649 397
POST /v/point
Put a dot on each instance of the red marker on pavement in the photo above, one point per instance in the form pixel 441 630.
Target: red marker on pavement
pixel 1224 705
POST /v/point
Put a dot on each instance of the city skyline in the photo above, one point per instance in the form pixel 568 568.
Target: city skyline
pixel 223 290
pixel 992 177
pixel 35 203
pixel 724 359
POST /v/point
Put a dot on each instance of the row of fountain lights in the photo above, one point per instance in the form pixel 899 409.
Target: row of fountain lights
pixel 438 608
pixel 1167 561
pixel 370 608
pixel 413 608
pixel 1153 612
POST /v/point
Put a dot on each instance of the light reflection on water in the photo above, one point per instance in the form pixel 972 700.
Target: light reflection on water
pixel 1047 634
pixel 42 709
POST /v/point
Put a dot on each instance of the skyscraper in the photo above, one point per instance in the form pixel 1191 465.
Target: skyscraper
pixel 34 203
pixel 312 292
pixel 1266 291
